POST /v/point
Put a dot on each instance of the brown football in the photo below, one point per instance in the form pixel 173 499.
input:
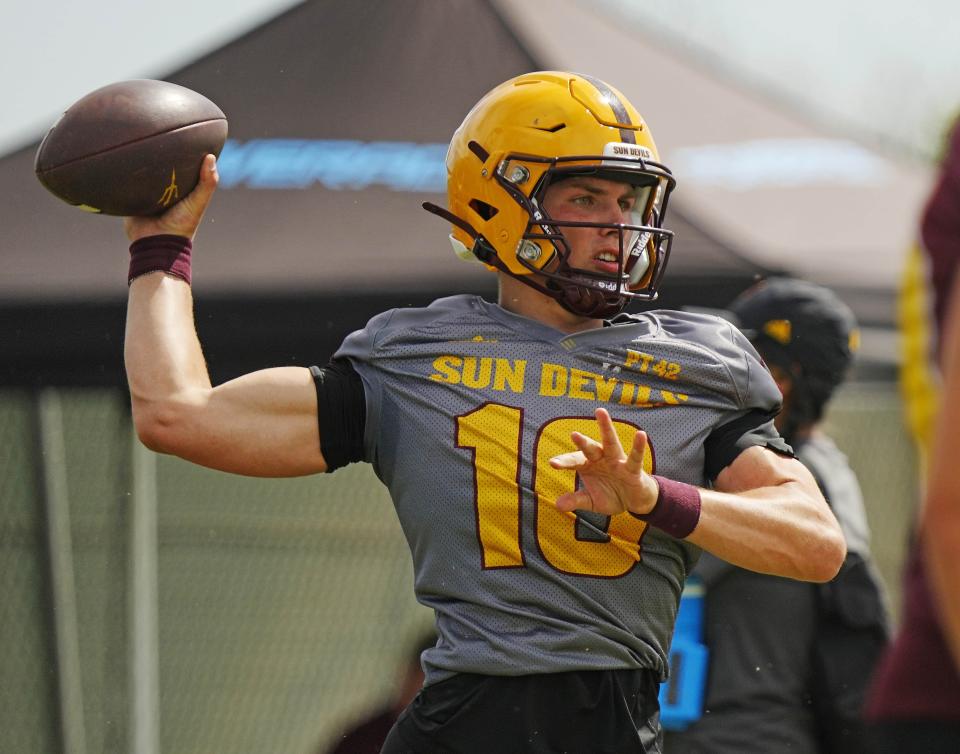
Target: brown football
pixel 130 148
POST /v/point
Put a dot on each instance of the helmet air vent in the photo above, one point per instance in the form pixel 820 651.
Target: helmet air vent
pixel 550 129
pixel 479 151
pixel 486 211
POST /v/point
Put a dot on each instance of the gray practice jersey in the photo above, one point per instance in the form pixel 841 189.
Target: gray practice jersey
pixel 467 402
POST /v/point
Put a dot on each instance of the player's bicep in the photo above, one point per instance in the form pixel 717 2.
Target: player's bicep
pixel 288 421
pixel 754 428
pixel 341 412
pixel 261 424
pixel 760 467
pixel 749 453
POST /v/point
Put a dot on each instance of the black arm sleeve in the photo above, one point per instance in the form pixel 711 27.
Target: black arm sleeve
pixel 728 441
pixel 341 412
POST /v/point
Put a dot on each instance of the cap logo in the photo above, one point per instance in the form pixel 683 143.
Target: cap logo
pixel 853 342
pixel 778 329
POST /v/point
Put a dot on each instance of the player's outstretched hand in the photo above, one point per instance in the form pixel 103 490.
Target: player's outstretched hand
pixel 183 218
pixel 613 480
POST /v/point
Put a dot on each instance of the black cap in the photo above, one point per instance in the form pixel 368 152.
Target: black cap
pixel 798 324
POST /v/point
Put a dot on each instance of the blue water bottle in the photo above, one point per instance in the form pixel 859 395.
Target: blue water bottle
pixel 681 697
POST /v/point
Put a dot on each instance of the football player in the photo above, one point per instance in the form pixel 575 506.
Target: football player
pixel 556 465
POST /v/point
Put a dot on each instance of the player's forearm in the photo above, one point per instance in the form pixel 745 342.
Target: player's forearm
pixel 162 353
pixel 784 530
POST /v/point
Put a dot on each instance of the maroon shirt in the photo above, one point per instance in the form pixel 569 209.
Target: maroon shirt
pixel 917 680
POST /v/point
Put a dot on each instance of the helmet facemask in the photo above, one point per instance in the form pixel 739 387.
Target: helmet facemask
pixel 643 246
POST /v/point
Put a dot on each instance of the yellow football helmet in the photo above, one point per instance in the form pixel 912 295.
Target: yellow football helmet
pixel 529 132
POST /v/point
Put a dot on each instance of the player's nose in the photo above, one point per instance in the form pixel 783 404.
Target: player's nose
pixel 613 213
pixel 611 216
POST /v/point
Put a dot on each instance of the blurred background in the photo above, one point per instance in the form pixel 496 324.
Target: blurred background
pixel 151 606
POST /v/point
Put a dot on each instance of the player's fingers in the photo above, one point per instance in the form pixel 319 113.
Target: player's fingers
pixel 588 446
pixel 573 460
pixel 184 218
pixel 579 500
pixel 608 434
pixel 209 178
pixel 209 175
pixel 634 463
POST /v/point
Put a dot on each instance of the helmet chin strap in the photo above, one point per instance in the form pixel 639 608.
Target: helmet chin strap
pixel 571 293
pixel 587 302
pixel 576 299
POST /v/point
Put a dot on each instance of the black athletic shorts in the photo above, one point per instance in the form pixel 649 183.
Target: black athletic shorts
pixel 583 712
pixel 908 736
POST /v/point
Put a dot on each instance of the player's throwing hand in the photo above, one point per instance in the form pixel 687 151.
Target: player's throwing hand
pixel 613 480
pixel 183 218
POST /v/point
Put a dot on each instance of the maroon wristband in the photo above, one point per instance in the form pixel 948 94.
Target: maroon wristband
pixel 677 509
pixel 169 254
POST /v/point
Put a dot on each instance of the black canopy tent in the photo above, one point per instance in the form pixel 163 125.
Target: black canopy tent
pixel 291 258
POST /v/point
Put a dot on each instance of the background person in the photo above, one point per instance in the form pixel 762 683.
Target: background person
pixel 366 736
pixel 789 662
pixel 914 702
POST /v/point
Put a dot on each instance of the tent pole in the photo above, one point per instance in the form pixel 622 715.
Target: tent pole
pixel 56 500
pixel 143 596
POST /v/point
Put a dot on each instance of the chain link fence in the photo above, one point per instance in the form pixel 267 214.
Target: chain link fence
pixel 284 606
pixel 27 655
